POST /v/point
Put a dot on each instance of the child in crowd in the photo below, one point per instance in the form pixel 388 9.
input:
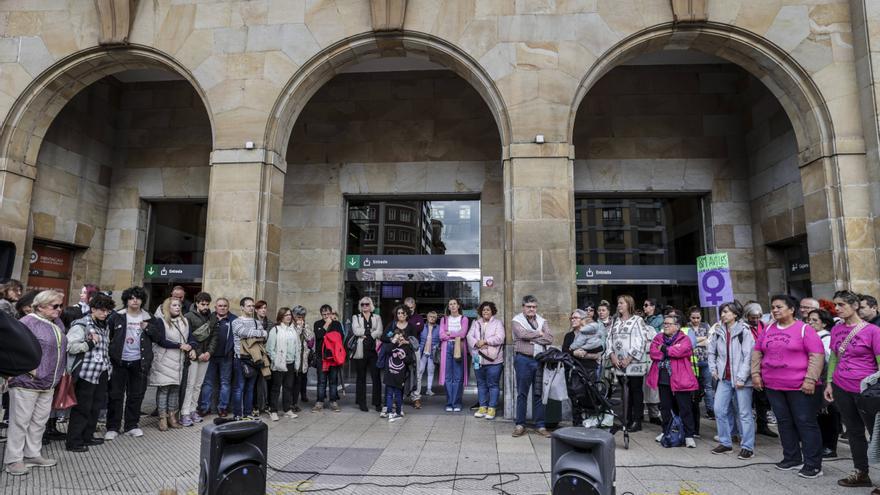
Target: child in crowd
pixel 396 373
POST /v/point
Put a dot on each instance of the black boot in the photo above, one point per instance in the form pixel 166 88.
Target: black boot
pixel 767 432
pixel 52 432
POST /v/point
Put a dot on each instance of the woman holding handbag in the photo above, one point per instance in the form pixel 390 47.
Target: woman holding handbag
pixel 30 394
pixel 453 354
pixel 168 361
pixel 486 343
pixel 855 354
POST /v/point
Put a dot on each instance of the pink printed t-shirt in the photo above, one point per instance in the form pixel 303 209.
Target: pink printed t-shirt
pixel 786 354
pixel 860 358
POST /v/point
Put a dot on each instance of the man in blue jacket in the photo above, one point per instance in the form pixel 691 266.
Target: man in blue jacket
pixel 221 362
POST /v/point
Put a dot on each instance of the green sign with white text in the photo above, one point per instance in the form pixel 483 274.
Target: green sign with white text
pixel 715 261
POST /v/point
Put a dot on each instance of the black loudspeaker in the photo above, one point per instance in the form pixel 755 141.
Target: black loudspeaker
pixel 7 259
pixel 234 458
pixel 583 461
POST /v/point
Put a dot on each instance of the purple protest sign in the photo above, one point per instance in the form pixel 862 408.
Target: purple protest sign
pixel 713 279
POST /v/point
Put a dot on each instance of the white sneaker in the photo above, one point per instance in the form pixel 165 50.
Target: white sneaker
pixel 690 443
pixel 716 439
pixel 393 417
pixel 658 438
pixel 110 435
pixel 291 415
pixel 136 432
pixel 383 414
pixel 448 409
pixel 457 409
pixel 273 415
pixel 429 393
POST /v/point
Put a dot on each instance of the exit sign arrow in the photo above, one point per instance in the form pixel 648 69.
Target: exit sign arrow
pixel 352 262
pixel 151 270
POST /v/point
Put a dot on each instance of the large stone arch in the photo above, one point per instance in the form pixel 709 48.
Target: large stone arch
pixel 330 61
pixel 822 153
pixel 32 114
pixel 784 77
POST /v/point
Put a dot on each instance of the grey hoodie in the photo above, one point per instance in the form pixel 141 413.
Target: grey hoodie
pixel 741 344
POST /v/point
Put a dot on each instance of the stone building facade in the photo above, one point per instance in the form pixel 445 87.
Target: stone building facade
pixel 277 112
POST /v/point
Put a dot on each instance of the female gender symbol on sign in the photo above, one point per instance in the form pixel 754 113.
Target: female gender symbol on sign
pixel 713 274
pixel 713 283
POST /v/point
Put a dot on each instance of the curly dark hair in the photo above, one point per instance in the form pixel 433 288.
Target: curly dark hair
pixel 134 292
pixel 102 301
pixel 401 307
pixel 487 304
pixel 825 317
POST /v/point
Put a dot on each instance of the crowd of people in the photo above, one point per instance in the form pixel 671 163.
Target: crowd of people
pixel 805 362
pixel 800 367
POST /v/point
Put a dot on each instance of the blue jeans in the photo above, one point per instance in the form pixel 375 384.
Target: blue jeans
pixel 331 378
pixel 222 367
pixel 488 377
pixel 528 376
pixel 724 412
pixel 454 377
pixel 242 389
pixel 797 420
pixel 393 395
pixel 708 388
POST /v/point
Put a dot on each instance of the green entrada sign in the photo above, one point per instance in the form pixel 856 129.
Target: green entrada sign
pixel 172 272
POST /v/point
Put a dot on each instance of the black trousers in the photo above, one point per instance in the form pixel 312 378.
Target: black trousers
pixel 284 383
pixel 261 392
pixel 762 407
pixel 128 382
pixel 90 398
pixel 361 368
pixel 829 425
pixel 856 423
pixel 635 399
pixel 679 403
pixel 302 383
pixel 695 413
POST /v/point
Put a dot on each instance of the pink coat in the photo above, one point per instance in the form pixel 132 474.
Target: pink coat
pixel 493 333
pixel 682 377
pixel 446 336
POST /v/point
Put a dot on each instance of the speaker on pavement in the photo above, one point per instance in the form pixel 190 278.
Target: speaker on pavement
pixel 234 458
pixel 583 461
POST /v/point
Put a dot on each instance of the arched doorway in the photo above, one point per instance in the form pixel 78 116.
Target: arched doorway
pixel 111 157
pixel 756 166
pixel 393 186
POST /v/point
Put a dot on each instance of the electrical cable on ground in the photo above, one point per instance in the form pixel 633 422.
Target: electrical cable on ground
pixel 453 477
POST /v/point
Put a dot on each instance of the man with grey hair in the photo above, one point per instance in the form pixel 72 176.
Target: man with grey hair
pixel 531 336
pixel 807 304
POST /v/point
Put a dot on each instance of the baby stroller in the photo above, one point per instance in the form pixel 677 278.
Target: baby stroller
pixel 585 390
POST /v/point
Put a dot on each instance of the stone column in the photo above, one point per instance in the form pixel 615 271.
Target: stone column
pixel 840 231
pixel 243 238
pixel 16 188
pixel 539 239
pixel 865 19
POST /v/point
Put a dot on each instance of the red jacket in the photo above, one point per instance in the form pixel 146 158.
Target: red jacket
pixel 334 351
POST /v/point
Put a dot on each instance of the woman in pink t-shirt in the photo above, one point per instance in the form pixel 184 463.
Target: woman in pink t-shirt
pixel 855 354
pixel 787 360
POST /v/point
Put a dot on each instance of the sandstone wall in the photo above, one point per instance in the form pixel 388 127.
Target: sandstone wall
pixel 391 133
